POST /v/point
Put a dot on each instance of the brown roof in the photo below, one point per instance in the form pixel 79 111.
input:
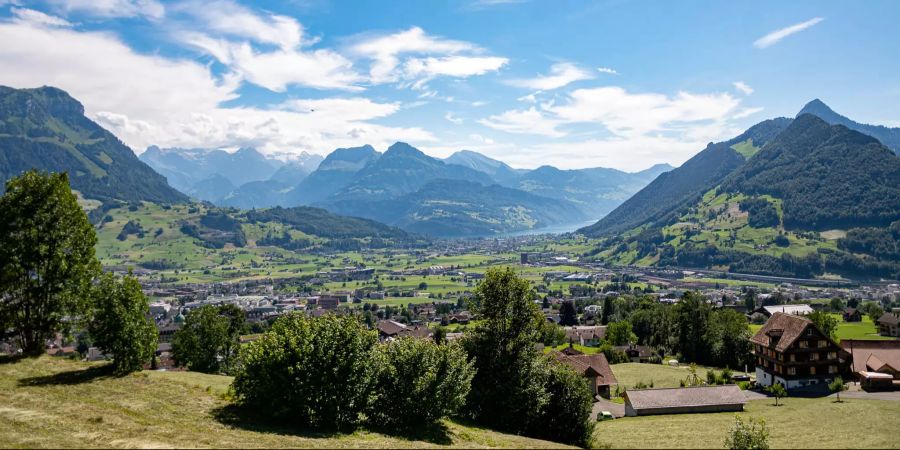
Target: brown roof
pixel 728 394
pixel 887 352
pixel 889 318
pixel 788 325
pixel 588 365
pixel 389 327
pixel 587 333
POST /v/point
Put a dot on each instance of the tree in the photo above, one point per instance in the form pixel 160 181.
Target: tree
pixel 825 322
pixel 120 322
pixel 47 257
pixel 750 435
pixel 567 417
pixel 837 386
pixel 567 314
pixel 418 383
pixel 314 371
pixel 440 335
pixel 209 340
pixel 607 310
pixel 777 391
pixel 836 304
pixel 619 333
pixel 875 312
pixel 507 390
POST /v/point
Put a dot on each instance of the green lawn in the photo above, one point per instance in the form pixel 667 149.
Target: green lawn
pixel 629 374
pixel 799 423
pixel 53 402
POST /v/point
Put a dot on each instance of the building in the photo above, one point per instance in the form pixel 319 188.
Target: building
pixel 594 367
pixel 797 310
pixel 889 323
pixel 389 329
pixel 791 351
pixel 637 353
pixel 852 315
pixel 875 363
pixel 698 399
pixel 589 336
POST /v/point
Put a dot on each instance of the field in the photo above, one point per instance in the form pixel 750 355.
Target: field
pixel 799 423
pixel 53 402
pixel 662 376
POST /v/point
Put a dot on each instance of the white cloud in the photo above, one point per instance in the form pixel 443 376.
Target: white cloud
pixel 456 58
pixel 529 121
pixel 777 35
pixel 151 9
pixel 39 18
pixel 746 112
pixel 744 88
pixel 232 19
pixel 453 119
pixel 149 99
pixel 607 70
pixel 481 139
pixel 561 74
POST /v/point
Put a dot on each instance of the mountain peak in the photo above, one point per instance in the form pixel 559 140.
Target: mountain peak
pixel 402 148
pixel 817 107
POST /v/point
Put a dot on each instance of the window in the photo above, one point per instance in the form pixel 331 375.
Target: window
pixel 813 356
pixel 832 369
pixel 832 355
pixel 812 370
pixel 823 343
pixel 792 371
pixel 793 357
pixel 802 344
pixel 809 331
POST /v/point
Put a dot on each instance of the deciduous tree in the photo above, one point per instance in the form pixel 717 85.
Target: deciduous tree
pixel 120 322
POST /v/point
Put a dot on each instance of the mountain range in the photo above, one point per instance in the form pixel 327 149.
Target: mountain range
pixel 795 197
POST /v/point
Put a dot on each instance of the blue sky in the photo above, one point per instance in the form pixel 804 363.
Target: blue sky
pixel 621 84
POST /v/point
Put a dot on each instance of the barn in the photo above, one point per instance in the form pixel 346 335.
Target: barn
pixel 698 399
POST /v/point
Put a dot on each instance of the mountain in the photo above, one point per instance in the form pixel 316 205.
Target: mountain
pixel 499 171
pixel 459 208
pixel 674 189
pixel 46 129
pixel 890 137
pixel 187 169
pixel 815 199
pixel 828 176
pixel 595 191
pixel 337 170
pixel 402 169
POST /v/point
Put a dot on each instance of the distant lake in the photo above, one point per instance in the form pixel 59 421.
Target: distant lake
pixel 555 229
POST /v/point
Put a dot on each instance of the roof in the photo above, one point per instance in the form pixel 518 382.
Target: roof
pixel 728 394
pixel 889 319
pixel 389 327
pixel 789 309
pixel 587 333
pixel 886 352
pixel 789 325
pixel 588 365
pixel 870 375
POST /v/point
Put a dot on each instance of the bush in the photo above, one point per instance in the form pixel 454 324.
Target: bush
pixel 120 323
pixel 317 372
pixel 418 383
pixel 750 435
pixel 567 415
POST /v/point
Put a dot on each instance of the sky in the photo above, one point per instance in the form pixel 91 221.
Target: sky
pixel 574 84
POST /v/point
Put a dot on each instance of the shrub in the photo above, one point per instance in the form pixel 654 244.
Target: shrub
pixel 750 435
pixel 120 324
pixel 418 383
pixel 316 372
pixel 567 415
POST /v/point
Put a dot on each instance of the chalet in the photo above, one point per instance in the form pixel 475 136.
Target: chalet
pixel 698 399
pixel 589 336
pixel 889 323
pixel 791 351
pixel 637 353
pixel 882 357
pixel 593 367
pixel 852 315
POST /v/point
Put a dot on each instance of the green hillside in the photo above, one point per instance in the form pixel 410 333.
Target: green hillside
pixel 46 129
pixel 57 403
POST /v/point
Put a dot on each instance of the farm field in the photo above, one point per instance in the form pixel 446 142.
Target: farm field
pixel 662 376
pixel 54 402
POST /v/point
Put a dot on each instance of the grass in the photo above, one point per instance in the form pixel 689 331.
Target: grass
pixel 54 402
pixel 662 376
pixel 799 423
pixel 865 329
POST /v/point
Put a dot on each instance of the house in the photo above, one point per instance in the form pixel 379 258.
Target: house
pixel 589 336
pixel 852 315
pixel 637 353
pixel 389 329
pixel 797 310
pixel 698 399
pixel 593 367
pixel 791 351
pixel 874 362
pixel 889 323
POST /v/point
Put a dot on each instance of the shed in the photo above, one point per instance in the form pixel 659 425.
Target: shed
pixel 698 399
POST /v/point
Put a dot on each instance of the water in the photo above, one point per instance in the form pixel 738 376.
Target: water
pixel 555 229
